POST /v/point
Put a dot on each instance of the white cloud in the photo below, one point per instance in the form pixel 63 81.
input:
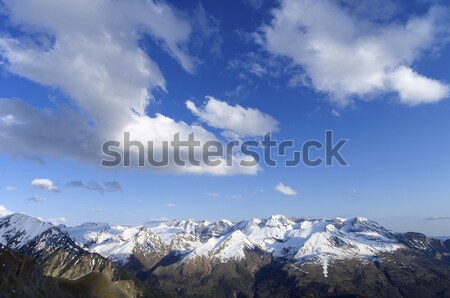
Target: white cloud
pixel 335 113
pixel 90 50
pixel 162 128
pixel 345 54
pixel 37 199
pixel 45 184
pixel 4 212
pixel 284 189
pixel 234 120
pixel 415 89
pixel 93 43
pixel 10 188
pixel 171 205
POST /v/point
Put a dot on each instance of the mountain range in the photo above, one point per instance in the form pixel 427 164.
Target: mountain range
pixel 272 257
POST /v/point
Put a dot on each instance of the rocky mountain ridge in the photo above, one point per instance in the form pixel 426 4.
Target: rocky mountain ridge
pixel 276 256
pixel 289 239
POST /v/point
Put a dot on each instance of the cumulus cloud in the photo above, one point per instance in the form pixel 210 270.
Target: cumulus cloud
pixel 234 120
pixel 91 51
pixel 414 89
pixel 37 199
pixel 348 55
pixel 284 189
pixel 162 128
pixel 4 212
pixel 45 184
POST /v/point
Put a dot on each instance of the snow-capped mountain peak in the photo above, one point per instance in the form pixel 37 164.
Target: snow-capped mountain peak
pixel 277 221
pixel 17 229
pixel 291 238
pixel 294 239
pixel 224 248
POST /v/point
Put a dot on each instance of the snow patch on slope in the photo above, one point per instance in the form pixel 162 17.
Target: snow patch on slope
pixel 17 230
pixel 290 238
pixel 116 242
pixel 223 248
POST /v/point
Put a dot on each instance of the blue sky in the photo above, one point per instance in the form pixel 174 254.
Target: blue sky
pixel 374 72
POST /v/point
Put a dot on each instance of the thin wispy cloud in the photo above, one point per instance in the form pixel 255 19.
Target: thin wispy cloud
pixel 109 186
pixel 438 218
pixel 53 220
pixel 156 221
pixel 37 199
pixel 75 183
pixel 113 186
pixel 56 221
pixel 354 193
pixel 97 210
pixel 213 194
pixel 335 113
pixel 255 64
pixel 285 190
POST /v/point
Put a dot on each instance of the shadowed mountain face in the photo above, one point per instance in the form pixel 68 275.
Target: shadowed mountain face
pixel 274 257
pixel 54 249
pixel 37 259
pixel 21 276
